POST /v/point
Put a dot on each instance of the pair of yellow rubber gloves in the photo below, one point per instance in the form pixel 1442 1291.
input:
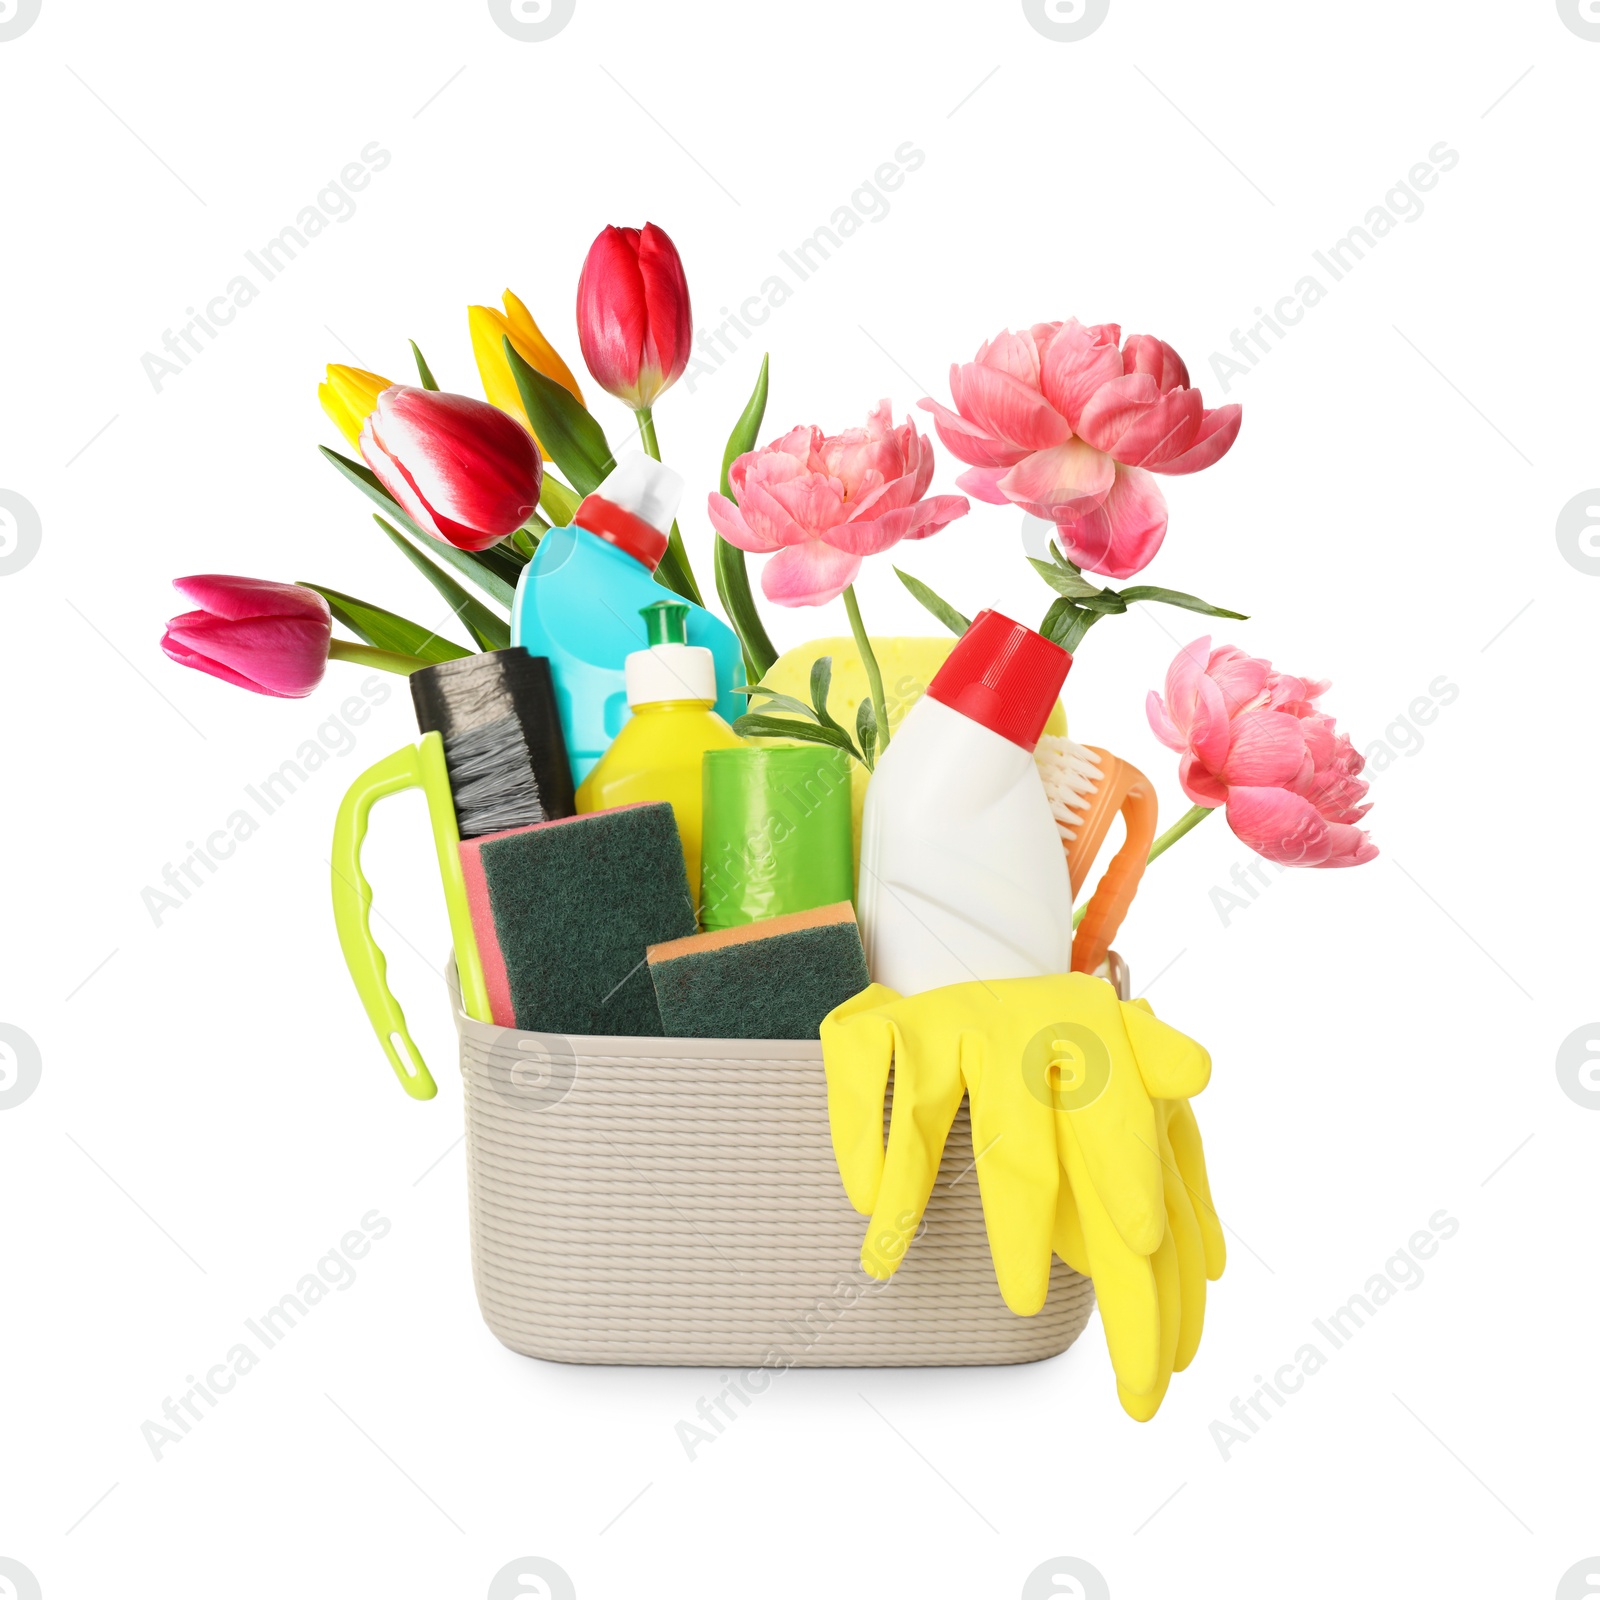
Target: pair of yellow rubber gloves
pixel 1085 1143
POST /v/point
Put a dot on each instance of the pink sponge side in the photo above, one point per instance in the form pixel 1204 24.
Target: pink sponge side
pixel 502 1009
pixel 495 978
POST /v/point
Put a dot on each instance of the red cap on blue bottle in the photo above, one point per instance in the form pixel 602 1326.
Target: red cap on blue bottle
pixel 1004 676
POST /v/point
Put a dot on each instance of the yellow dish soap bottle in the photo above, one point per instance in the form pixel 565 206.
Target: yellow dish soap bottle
pixel 671 687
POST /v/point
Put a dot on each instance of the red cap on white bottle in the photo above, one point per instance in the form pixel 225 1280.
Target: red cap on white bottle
pixel 633 509
pixel 1004 676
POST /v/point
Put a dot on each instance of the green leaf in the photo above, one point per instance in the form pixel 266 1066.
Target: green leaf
pixel 1065 580
pixel 1065 624
pixel 776 702
pixel 384 630
pixel 733 581
pixel 672 570
pixel 422 369
pixel 1175 597
pixel 867 732
pixel 1104 603
pixel 942 609
pixel 557 501
pixel 754 725
pixel 496 577
pixel 575 441
pixel 490 632
pixel 821 683
pixel 743 438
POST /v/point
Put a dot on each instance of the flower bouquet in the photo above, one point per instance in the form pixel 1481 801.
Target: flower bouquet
pixel 576 1133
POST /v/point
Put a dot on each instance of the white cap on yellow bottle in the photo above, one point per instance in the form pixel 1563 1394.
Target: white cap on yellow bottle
pixel 672 668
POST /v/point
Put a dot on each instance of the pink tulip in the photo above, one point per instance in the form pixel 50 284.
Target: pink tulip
pixel 464 471
pixel 271 638
pixel 1253 740
pixel 1059 420
pixel 634 323
pixel 824 502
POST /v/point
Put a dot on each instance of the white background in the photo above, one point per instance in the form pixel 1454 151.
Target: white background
pixel 213 1113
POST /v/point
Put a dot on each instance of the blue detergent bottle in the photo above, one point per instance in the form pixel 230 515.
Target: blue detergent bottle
pixel 578 603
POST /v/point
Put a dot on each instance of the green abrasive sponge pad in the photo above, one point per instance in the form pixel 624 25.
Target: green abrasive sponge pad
pixel 775 979
pixel 564 912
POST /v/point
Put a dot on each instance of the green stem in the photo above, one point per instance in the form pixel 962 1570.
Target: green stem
pixel 1192 818
pixel 870 662
pixel 365 655
pixel 674 568
pixel 647 431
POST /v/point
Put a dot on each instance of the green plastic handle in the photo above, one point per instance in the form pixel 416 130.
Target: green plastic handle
pixel 414 767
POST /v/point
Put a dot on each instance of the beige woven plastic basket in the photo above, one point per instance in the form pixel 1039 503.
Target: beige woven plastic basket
pixel 674 1202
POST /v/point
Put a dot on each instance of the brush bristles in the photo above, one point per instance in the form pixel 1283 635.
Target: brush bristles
pixel 491 778
pixel 1070 774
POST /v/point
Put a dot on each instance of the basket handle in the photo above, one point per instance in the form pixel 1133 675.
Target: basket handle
pixel 422 767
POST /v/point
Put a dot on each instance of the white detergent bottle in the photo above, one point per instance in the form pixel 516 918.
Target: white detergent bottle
pixel 962 872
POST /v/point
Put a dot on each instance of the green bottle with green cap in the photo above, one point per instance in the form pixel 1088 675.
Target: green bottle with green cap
pixel 672 686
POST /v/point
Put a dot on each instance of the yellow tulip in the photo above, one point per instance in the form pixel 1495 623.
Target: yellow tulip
pixel 349 397
pixel 490 328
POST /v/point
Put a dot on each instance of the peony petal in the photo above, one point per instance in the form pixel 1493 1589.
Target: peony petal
pixel 809 574
pixel 1281 826
pixel 1144 353
pixel 1201 786
pixel 1242 679
pixel 984 483
pixel 1218 429
pixel 1210 736
pixel 866 536
pixel 1265 749
pixel 1063 481
pixel 968 442
pixel 1006 409
pixel 813 501
pixel 1188 667
pixel 768 519
pixel 1077 361
pixel 1348 847
pixel 1015 354
pixel 729 522
pixel 1122 535
pixel 1161 725
pixel 1129 420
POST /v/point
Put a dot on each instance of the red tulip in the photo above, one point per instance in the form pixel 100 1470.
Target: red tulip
pixel 634 322
pixel 271 638
pixel 464 471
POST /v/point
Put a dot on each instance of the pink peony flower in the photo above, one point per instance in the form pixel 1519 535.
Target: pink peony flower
pixel 822 502
pixel 1253 740
pixel 271 638
pixel 1059 420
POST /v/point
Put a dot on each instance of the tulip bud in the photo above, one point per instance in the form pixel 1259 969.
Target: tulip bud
pixel 349 397
pixel 634 322
pixel 490 329
pixel 463 471
pixel 270 638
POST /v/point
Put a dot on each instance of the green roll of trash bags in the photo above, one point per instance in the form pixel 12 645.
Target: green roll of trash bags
pixel 777 832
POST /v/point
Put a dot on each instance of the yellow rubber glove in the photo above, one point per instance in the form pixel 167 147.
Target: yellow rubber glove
pixel 1151 1308
pixel 1059 1074
pixel 941 1045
